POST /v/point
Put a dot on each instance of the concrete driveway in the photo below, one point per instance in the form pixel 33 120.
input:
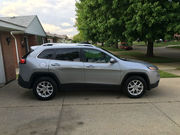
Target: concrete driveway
pixel 91 112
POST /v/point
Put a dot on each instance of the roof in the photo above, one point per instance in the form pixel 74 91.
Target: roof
pixel 19 20
pixel 27 24
pixel 56 35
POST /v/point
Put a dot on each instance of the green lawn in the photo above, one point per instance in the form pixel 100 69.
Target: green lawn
pixel 176 47
pixel 111 48
pixel 164 74
pixel 141 56
pixel 158 44
pixel 17 75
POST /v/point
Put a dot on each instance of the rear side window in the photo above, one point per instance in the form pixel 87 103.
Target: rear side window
pixel 68 54
pixel 47 54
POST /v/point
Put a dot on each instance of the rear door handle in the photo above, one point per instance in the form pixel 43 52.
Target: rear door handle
pixel 90 66
pixel 55 64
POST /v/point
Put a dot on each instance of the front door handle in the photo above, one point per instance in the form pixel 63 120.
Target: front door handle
pixel 90 66
pixel 55 64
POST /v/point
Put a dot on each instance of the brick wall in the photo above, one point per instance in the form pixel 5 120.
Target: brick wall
pixel 8 56
pixel 9 51
pixel 32 40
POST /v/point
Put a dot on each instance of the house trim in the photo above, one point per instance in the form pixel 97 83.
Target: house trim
pixel 2 73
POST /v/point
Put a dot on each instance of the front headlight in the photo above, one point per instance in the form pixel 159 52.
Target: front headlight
pixel 153 68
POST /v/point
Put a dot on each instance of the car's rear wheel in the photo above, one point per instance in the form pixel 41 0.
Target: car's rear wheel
pixel 135 87
pixel 45 88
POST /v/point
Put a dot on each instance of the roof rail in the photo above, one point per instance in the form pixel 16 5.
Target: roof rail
pixel 88 45
pixel 73 44
pixel 48 44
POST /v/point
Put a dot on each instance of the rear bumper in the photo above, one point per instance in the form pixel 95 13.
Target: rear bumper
pixel 154 85
pixel 23 83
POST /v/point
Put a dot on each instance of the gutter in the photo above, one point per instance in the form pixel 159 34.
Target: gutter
pixel 17 53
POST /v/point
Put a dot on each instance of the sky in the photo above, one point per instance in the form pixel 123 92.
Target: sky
pixel 56 16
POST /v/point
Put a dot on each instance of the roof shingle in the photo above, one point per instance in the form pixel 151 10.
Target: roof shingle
pixel 19 20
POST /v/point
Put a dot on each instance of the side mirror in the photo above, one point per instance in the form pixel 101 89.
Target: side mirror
pixel 112 60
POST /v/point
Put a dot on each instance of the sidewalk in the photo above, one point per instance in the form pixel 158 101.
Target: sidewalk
pixel 169 67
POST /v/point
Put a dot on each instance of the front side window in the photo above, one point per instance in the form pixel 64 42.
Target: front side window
pixel 95 56
pixel 47 54
pixel 68 54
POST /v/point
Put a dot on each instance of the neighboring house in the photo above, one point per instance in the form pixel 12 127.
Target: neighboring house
pixel 55 38
pixel 17 34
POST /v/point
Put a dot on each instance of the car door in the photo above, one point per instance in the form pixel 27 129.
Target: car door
pixel 98 69
pixel 67 65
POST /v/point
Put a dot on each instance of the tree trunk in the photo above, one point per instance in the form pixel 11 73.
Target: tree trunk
pixel 150 49
pixel 116 45
pixel 102 44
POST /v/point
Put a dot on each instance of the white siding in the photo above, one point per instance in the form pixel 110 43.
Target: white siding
pixel 35 28
pixel 2 74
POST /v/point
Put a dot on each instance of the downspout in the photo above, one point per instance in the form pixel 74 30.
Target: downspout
pixel 17 53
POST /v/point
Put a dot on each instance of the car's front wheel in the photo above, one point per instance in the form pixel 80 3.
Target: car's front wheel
pixel 135 87
pixel 45 88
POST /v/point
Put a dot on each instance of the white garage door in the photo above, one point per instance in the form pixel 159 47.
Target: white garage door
pixel 2 74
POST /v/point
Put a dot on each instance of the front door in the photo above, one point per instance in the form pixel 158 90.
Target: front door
pixel 98 69
pixel 2 74
pixel 68 66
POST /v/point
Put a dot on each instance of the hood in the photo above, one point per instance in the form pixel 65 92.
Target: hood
pixel 140 62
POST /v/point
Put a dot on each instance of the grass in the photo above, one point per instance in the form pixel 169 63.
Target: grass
pixel 178 68
pixel 175 47
pixel 141 56
pixel 17 75
pixel 164 74
pixel 111 48
pixel 158 44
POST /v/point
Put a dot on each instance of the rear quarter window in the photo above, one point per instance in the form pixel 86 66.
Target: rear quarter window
pixel 47 54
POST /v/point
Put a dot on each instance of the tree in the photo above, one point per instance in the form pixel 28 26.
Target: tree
pixel 118 20
pixel 78 38
pixel 101 20
pixel 151 19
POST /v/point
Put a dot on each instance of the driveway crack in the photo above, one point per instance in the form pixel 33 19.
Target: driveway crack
pixel 60 116
pixel 165 114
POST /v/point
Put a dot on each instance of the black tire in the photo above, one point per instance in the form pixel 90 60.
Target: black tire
pixel 127 83
pixel 52 83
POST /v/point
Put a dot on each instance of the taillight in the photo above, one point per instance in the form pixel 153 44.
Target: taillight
pixel 22 61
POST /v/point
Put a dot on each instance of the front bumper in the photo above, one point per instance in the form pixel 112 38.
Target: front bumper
pixel 151 86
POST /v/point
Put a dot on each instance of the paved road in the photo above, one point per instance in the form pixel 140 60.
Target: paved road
pixel 161 51
pixel 91 112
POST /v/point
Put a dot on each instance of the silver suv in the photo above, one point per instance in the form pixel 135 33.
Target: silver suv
pixel 48 67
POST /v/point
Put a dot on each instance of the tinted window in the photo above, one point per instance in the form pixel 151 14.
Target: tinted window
pixel 70 54
pixel 96 56
pixel 47 54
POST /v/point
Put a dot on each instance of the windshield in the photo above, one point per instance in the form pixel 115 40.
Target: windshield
pixel 113 54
